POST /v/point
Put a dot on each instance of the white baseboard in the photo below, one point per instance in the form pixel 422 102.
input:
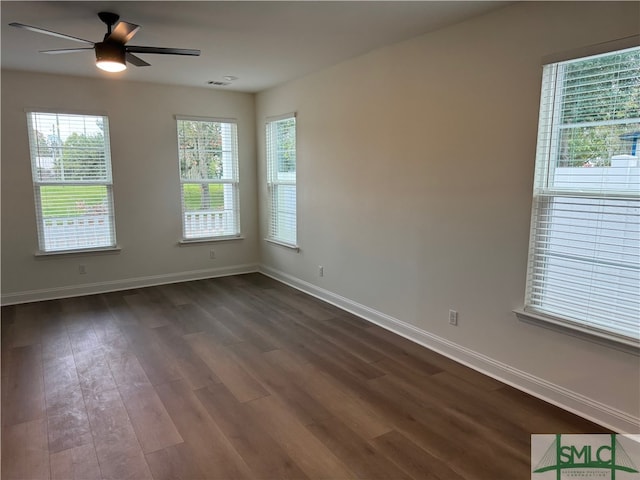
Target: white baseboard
pixel 126 284
pixel 574 402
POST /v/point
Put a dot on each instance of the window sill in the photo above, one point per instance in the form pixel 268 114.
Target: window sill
pixel 627 345
pixel 196 241
pixel 283 244
pixel 85 251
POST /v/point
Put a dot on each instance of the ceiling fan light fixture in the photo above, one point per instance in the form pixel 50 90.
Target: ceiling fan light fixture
pixel 111 67
pixel 110 57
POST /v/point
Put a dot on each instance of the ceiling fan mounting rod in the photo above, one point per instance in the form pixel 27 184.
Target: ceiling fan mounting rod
pixel 110 19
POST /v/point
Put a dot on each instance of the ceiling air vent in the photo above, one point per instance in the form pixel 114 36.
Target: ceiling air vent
pixel 217 83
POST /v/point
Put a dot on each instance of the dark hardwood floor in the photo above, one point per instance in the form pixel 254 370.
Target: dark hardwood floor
pixel 243 377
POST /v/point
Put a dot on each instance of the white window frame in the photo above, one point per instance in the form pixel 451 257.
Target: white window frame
pixel 93 232
pixel 207 226
pixel 618 328
pixel 281 227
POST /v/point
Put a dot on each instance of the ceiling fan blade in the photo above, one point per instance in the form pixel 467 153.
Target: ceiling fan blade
pixel 163 51
pixel 66 50
pixel 138 62
pixel 123 32
pixel 49 32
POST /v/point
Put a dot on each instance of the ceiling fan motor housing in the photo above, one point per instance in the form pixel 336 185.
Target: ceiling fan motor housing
pixel 109 52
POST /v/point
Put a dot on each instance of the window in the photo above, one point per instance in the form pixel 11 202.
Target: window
pixel 208 158
pixel 584 266
pixel 71 169
pixel 281 179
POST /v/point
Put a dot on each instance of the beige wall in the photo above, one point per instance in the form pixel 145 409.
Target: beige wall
pixel 146 185
pixel 415 169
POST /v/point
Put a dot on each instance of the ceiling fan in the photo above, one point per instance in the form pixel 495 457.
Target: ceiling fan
pixel 112 53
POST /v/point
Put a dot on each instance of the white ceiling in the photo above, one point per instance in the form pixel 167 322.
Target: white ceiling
pixel 263 43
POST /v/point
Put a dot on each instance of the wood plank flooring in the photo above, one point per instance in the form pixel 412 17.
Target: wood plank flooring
pixel 245 378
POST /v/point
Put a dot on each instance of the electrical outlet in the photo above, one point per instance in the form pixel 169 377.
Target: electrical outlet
pixel 82 269
pixel 212 254
pixel 453 317
pixel 320 271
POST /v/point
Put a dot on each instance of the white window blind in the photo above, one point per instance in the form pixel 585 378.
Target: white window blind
pixel 208 158
pixel 281 179
pixel 584 255
pixel 71 169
